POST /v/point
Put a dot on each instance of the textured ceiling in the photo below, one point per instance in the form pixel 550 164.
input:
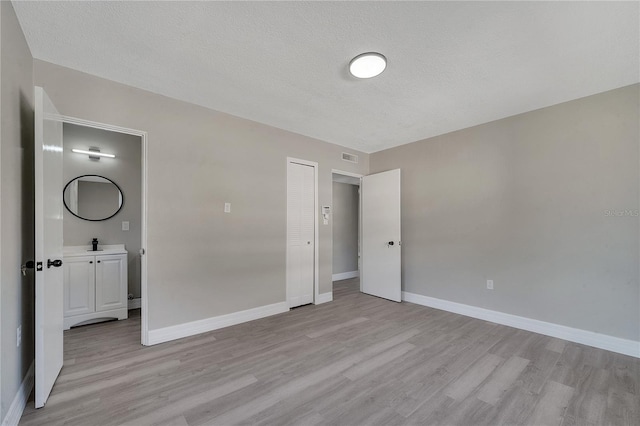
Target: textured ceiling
pixel 451 64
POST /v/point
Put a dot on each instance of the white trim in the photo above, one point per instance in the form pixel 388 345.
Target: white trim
pixel 144 329
pixel 316 244
pixel 103 126
pixel 20 400
pixel 166 334
pixel 345 275
pixel 597 340
pixel 324 298
pixel 134 303
pixel 144 285
pixel 22 153
pixel 341 172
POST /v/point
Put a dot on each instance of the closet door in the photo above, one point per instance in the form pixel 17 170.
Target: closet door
pixel 300 233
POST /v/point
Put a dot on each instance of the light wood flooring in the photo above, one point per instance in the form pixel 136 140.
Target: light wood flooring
pixel 359 360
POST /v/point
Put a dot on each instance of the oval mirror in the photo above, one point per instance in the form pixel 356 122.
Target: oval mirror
pixel 93 197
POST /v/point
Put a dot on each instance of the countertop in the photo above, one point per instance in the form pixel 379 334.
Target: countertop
pixel 69 251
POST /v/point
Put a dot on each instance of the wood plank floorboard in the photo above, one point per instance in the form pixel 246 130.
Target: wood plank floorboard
pixel 359 360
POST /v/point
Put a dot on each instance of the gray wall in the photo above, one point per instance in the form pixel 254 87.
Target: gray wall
pixel 126 171
pixel 345 227
pixel 529 201
pixel 202 262
pixel 16 204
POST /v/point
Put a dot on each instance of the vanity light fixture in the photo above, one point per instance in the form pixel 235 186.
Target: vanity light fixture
pixel 367 65
pixel 93 153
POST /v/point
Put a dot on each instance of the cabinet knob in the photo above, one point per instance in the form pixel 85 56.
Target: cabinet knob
pixel 91 261
pixel 99 261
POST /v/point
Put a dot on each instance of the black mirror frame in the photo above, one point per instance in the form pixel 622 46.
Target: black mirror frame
pixel 93 220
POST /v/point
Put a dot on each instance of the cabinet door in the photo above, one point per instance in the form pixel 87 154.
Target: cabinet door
pixel 111 282
pixel 79 285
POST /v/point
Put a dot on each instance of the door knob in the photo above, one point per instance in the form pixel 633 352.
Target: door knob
pixel 28 265
pixel 55 263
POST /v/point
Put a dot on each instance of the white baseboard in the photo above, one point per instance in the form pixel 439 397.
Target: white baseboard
pixel 324 298
pixel 20 400
pixel 602 341
pixel 174 332
pixel 345 275
pixel 134 303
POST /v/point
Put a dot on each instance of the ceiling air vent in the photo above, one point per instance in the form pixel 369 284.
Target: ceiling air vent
pixel 352 158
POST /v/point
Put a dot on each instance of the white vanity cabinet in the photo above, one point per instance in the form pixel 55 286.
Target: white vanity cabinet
pixel 95 284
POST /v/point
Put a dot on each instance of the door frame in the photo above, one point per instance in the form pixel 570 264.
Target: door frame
pixel 316 230
pixel 144 311
pixel 359 176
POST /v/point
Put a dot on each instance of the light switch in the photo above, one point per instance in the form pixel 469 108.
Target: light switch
pixel 125 226
pixel 227 207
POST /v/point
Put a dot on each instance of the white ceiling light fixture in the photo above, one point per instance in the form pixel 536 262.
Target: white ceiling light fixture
pixel 93 153
pixel 367 65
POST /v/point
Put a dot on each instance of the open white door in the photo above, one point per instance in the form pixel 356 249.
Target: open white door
pixel 380 274
pixel 48 232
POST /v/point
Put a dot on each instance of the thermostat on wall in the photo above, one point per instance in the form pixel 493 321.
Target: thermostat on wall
pixel 326 211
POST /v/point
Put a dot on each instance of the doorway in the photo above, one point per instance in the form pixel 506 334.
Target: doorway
pixel 346 225
pixel 49 241
pixel 126 228
pixel 379 244
pixel 102 196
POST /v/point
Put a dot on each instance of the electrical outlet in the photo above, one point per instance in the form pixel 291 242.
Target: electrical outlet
pixel 125 225
pixel 227 207
pixel 489 284
pixel 19 336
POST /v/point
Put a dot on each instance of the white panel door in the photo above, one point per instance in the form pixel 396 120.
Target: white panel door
pixel 48 241
pixel 300 233
pixel 111 290
pixel 79 285
pixel 380 275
